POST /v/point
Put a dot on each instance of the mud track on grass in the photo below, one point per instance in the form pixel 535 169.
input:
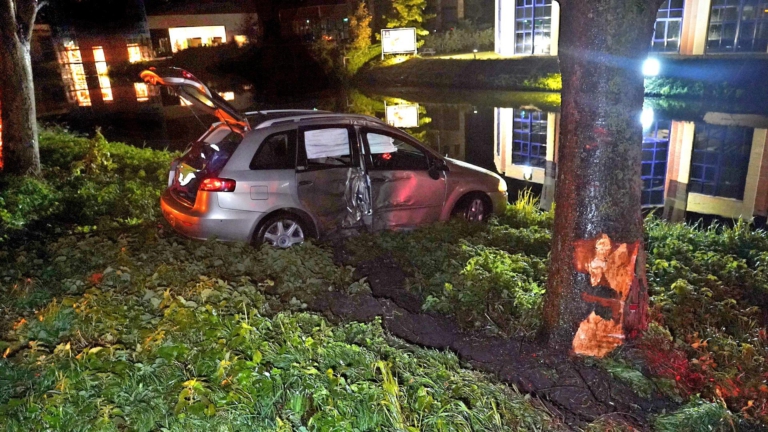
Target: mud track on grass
pixel 573 391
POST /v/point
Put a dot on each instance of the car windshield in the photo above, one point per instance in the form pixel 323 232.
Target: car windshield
pixel 203 159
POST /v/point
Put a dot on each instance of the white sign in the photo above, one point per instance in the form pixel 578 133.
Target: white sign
pixel 403 116
pixel 399 40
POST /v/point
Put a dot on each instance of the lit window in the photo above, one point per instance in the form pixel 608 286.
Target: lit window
pixel 190 37
pixel 720 160
pixel 654 165
pixel 533 26
pixel 529 138
pixel 102 72
pixel 142 92
pixel 669 20
pixel 227 95
pixel 134 53
pixel 241 40
pixel 738 25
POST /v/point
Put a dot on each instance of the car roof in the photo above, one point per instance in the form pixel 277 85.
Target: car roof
pixel 263 119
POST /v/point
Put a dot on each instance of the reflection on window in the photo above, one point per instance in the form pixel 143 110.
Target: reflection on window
pixel 720 160
pixel 533 26
pixel 529 138
pixel 669 19
pixel 73 66
pixel 738 25
pixel 142 92
pixel 654 168
pixel 101 71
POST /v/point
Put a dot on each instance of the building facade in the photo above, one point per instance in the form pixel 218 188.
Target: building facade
pixel 717 165
pixel 683 27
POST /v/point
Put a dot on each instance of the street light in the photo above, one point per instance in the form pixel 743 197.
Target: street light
pixel 651 67
pixel 474 53
pixel 527 173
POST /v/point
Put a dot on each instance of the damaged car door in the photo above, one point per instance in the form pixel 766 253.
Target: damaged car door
pixel 332 184
pixel 407 182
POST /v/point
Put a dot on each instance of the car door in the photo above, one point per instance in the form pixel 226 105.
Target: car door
pixel 331 181
pixel 404 191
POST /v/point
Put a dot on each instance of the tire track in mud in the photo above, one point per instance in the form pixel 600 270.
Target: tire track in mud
pixel 574 392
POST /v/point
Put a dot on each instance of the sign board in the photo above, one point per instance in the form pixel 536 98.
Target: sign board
pixel 403 116
pixel 398 40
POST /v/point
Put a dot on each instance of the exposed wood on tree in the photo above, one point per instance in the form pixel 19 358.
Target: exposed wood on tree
pixel 20 138
pixel 597 294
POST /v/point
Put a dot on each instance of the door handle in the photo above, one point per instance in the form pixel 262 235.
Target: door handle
pixel 305 182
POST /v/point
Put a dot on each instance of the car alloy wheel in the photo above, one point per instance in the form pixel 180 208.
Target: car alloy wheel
pixel 284 232
pixel 475 210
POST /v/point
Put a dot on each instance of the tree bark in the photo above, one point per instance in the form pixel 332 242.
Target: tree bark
pixel 19 118
pixel 597 293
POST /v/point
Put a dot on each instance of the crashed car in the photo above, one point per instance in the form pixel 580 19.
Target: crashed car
pixel 281 177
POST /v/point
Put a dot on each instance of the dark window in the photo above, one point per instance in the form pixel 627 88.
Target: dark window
pixel 720 160
pixel 533 26
pixel 325 147
pixel 278 151
pixel 654 168
pixel 389 152
pixel 738 26
pixel 529 138
pixel 669 19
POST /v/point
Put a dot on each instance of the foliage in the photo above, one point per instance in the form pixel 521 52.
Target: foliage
pixel 155 332
pixel 409 13
pixel 85 182
pixel 360 28
pixel 697 416
pixel 343 60
pixel 460 40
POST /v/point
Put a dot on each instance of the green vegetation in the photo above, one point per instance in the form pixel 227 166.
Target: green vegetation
pixel 708 297
pixel 460 40
pixel 87 182
pixel 109 320
pixel 409 13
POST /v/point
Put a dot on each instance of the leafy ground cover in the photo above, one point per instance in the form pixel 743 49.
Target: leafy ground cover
pixel 109 320
pixel 708 301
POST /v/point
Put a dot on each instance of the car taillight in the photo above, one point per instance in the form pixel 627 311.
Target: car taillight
pixel 217 185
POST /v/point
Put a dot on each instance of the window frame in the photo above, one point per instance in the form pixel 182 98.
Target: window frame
pixel 368 156
pixel 302 161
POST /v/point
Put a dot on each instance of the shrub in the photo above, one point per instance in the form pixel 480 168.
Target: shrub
pixel 460 40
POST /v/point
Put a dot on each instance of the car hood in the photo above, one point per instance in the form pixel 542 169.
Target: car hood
pixel 195 92
pixel 463 167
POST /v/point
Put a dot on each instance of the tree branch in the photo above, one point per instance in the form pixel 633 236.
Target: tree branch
pixel 26 13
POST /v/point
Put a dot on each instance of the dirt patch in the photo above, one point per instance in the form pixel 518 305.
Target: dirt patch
pixel 572 390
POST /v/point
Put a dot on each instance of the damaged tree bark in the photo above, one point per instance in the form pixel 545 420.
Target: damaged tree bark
pixel 597 294
pixel 19 118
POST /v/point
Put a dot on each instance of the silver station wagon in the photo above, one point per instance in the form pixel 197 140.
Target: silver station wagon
pixel 283 176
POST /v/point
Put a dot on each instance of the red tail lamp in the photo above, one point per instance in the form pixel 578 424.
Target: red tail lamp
pixel 217 185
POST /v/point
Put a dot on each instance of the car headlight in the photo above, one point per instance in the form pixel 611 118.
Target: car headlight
pixel 502 185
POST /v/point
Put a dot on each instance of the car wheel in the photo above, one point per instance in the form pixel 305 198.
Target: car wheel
pixel 282 230
pixel 473 208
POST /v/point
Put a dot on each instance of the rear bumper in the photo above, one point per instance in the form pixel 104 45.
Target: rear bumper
pixel 207 220
pixel 499 200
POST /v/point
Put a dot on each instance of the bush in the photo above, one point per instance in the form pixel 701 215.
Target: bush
pixel 460 40
pixel 85 182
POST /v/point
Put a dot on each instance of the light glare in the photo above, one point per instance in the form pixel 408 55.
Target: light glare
pixel 651 67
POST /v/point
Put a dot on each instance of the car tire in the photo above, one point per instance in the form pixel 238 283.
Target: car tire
pixel 281 230
pixel 474 207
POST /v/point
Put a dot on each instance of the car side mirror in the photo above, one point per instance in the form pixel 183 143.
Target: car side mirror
pixel 436 166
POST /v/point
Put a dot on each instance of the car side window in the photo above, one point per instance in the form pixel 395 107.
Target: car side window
pixel 325 147
pixel 277 151
pixel 390 152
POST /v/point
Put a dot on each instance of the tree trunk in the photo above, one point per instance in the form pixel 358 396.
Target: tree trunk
pixel 597 293
pixel 19 119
